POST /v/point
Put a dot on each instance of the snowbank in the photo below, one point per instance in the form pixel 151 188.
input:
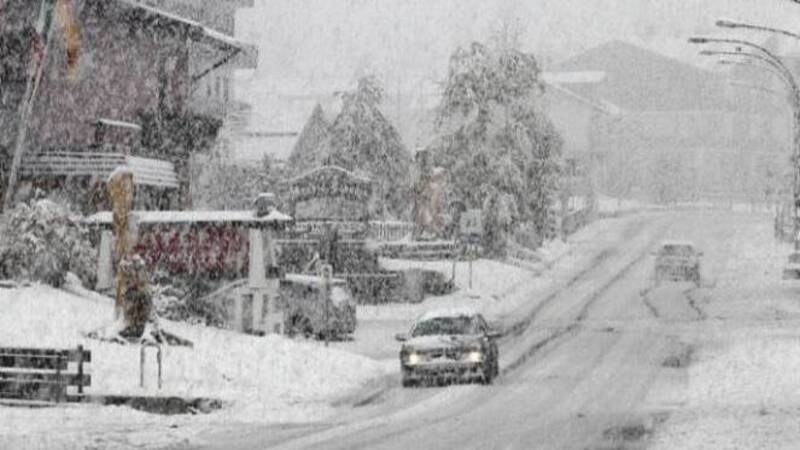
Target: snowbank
pixel 742 390
pixel 265 379
pixel 745 397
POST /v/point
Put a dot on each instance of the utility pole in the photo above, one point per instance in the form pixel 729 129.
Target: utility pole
pixel 44 27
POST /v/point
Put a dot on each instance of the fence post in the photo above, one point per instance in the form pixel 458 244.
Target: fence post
pixel 59 383
pixel 80 369
pixel 158 356
pixel 141 366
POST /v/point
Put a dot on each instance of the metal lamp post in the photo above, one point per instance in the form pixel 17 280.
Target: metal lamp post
pixel 750 63
pixel 788 77
pixel 726 23
pixel 732 24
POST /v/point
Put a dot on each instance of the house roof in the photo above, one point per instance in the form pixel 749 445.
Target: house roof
pixel 582 76
pixel 596 104
pixel 118 123
pixel 197 31
pixel 643 80
pixel 353 176
pixel 156 217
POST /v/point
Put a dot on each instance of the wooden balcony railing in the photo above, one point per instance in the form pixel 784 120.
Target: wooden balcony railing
pixel 99 161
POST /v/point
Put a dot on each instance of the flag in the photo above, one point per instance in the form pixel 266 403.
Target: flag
pixel 72 34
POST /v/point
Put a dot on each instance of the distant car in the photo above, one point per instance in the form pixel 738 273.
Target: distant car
pixel 449 345
pixel 792 269
pixel 305 312
pixel 677 261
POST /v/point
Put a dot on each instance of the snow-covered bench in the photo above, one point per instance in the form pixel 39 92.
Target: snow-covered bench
pixel 38 375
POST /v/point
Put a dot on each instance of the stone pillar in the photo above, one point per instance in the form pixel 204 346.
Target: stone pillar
pixel 257 274
pixel 257 277
pixel 258 311
pixel 105 269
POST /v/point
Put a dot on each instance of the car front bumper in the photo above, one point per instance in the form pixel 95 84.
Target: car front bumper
pixel 450 370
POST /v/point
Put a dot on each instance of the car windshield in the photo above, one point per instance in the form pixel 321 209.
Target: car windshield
pixel 447 325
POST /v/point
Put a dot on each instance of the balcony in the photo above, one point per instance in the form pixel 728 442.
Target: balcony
pixel 98 161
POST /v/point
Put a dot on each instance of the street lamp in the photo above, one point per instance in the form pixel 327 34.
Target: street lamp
pixel 749 63
pixel 778 63
pixel 768 57
pixel 726 23
pixel 779 72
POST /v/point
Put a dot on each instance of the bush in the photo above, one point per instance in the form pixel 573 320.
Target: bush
pixel 42 241
pixel 184 299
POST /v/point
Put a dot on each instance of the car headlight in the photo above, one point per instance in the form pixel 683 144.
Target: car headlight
pixel 413 358
pixel 474 356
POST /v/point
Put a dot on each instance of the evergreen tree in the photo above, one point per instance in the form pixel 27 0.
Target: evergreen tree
pixel 363 140
pixel 308 150
pixel 492 135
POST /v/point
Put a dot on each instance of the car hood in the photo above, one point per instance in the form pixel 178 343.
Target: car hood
pixel 440 341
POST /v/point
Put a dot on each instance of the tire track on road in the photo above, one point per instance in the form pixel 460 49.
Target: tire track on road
pixel 645 295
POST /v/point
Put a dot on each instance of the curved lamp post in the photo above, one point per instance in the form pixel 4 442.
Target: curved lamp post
pixel 767 57
pixel 748 63
pixel 776 69
pixel 726 23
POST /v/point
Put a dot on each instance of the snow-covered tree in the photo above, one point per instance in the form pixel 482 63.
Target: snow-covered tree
pixel 308 150
pixel 42 241
pixel 363 140
pixel 492 134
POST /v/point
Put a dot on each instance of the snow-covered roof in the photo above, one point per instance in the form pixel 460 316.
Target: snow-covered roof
pixel 246 216
pixel 301 278
pixel 325 168
pixel 568 77
pixel 196 27
pixel 118 123
pixel 601 105
pixel 448 312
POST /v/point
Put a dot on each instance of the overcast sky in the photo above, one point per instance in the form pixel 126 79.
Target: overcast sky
pixel 321 45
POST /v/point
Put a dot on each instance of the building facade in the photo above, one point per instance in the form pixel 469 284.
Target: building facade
pixel 683 133
pixel 107 83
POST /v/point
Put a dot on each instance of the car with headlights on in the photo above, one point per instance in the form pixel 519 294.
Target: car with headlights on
pixel 677 261
pixel 449 345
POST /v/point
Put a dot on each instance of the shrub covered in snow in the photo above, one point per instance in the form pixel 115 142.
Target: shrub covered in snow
pixel 42 241
pixel 185 299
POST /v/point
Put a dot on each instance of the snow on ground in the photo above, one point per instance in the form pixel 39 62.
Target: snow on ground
pixel 264 379
pixel 742 390
pixel 268 379
pixel 615 205
pixel 499 290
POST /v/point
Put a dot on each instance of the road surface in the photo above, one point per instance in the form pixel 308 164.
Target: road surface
pixel 600 365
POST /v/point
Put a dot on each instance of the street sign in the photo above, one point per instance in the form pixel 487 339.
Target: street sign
pixel 326 272
pixel 471 225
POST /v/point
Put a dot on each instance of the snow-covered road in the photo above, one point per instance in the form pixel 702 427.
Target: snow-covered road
pixel 623 365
